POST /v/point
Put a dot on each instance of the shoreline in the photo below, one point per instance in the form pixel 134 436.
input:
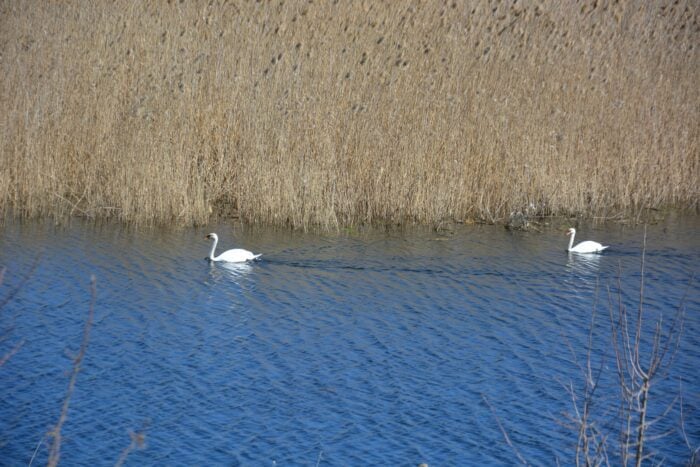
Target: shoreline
pixel 530 224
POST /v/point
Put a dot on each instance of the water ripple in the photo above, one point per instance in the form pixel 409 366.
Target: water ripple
pixel 377 348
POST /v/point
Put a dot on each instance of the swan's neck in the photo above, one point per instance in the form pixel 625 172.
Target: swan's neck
pixel 213 248
pixel 571 240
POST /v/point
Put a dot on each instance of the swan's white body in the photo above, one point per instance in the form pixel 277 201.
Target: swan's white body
pixel 583 247
pixel 237 255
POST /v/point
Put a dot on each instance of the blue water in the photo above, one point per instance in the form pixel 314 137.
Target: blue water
pixel 364 348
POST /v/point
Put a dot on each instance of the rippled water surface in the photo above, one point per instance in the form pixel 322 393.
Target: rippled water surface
pixel 364 348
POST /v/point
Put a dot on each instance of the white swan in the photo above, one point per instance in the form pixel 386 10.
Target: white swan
pixel 237 255
pixel 583 247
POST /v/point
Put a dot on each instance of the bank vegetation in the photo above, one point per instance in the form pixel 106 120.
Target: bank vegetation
pixel 337 113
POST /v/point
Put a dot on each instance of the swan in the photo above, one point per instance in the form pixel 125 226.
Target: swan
pixel 583 247
pixel 237 255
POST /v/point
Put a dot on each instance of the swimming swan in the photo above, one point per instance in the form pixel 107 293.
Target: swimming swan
pixel 237 255
pixel 583 247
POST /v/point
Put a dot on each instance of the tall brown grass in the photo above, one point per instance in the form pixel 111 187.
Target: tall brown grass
pixel 333 113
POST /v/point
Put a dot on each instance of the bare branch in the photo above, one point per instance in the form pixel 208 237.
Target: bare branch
pixel 55 451
pixel 673 337
pixel 505 435
pixel 12 351
pixel 138 441
pixel 11 294
pixel 640 309
pixel 694 454
pixel 41 441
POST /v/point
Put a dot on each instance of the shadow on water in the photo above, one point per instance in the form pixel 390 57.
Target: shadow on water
pixel 340 265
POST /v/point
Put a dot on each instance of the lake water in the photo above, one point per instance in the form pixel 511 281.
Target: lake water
pixel 363 348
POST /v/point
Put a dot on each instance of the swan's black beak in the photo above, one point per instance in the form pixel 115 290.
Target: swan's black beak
pixel 208 236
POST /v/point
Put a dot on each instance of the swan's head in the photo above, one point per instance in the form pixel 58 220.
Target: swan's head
pixel 212 236
pixel 571 231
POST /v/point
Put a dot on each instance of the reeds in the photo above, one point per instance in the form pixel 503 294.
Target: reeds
pixel 337 113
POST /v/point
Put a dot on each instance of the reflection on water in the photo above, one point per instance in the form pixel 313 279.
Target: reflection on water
pixel 233 271
pixel 584 264
pixel 373 348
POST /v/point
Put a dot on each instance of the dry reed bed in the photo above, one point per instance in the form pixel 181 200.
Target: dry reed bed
pixel 333 113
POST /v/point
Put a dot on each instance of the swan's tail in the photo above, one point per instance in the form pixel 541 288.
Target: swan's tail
pixel 255 257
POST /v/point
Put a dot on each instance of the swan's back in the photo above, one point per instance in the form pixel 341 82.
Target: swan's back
pixel 588 247
pixel 237 255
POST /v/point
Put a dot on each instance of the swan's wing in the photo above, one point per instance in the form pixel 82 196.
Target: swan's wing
pixel 588 247
pixel 237 255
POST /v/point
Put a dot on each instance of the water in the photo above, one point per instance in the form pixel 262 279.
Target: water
pixel 365 348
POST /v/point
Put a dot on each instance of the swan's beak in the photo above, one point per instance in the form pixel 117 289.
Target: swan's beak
pixel 207 236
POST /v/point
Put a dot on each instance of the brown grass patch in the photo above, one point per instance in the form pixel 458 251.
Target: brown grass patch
pixel 336 113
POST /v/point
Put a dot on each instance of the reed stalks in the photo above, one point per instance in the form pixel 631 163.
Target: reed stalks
pixel 337 113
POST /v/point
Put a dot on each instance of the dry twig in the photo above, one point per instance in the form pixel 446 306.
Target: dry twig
pixel 55 450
